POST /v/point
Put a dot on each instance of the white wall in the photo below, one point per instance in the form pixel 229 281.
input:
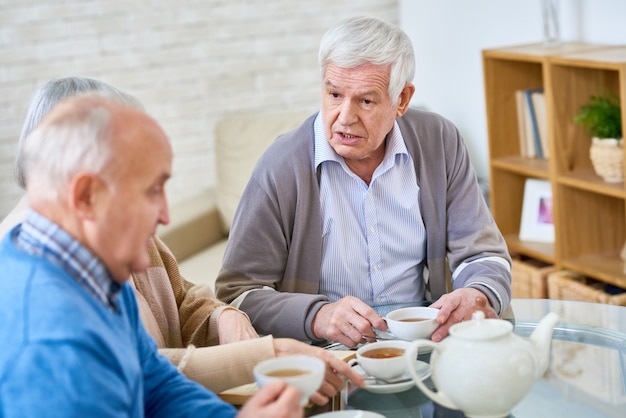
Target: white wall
pixel 191 61
pixel 188 61
pixel 448 37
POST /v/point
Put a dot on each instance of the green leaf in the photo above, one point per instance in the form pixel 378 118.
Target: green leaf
pixel 601 117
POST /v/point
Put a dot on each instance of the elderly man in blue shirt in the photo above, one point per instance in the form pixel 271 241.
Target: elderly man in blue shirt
pixel 72 340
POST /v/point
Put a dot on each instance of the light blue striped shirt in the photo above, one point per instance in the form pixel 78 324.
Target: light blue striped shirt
pixel 373 237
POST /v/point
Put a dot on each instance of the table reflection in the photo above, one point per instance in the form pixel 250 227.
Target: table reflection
pixel 586 376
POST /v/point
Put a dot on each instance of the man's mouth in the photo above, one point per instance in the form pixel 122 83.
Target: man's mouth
pixel 348 138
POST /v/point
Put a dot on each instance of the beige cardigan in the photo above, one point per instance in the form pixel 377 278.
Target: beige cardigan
pixel 182 318
pixel 178 313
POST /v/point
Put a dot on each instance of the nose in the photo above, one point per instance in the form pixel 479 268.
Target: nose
pixel 164 213
pixel 347 113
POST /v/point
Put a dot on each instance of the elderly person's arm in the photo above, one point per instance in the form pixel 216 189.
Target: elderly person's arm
pixel 178 313
pixel 227 366
pixel 474 248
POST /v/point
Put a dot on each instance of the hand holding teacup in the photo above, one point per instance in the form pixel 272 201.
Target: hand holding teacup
pixel 347 321
pixel 412 323
pixel 303 372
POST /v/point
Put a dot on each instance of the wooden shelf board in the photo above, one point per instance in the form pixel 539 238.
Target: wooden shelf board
pixel 606 267
pixel 588 180
pixel 531 167
pixel 537 51
pixel 538 250
pixel 605 57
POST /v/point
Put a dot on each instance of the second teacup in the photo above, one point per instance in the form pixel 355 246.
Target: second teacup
pixel 412 323
pixel 382 359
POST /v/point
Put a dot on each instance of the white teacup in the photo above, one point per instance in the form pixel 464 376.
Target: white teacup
pixel 382 359
pixel 304 372
pixel 412 323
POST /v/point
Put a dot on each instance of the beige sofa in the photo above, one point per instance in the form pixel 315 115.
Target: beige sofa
pixel 198 231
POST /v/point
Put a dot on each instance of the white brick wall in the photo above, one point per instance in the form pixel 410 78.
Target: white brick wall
pixel 188 61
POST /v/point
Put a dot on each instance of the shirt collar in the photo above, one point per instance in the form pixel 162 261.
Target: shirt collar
pixel 324 152
pixel 39 236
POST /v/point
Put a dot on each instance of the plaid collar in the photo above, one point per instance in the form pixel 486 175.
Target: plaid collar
pixel 38 236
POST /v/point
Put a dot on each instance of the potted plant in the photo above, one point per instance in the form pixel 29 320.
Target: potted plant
pixel 602 119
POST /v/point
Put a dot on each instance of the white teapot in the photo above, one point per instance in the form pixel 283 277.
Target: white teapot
pixel 482 368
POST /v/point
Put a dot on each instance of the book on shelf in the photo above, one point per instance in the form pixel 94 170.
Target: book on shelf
pixel 533 120
pixel 539 106
pixel 532 123
pixel 523 124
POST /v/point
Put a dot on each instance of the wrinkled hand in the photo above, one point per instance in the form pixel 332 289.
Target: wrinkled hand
pixel 275 400
pixel 346 321
pixel 458 306
pixel 335 368
pixel 233 326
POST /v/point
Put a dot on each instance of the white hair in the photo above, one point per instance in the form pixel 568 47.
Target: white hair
pixel 68 144
pixel 366 40
pixel 49 95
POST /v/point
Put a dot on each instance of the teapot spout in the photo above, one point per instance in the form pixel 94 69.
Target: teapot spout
pixel 541 339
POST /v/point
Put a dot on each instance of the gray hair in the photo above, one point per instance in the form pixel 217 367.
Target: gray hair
pixel 47 97
pixel 69 143
pixel 366 40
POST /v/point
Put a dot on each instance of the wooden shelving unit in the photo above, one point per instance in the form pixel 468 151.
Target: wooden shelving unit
pixel 589 214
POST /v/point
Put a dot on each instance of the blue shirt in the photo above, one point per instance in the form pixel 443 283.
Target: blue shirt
pixel 65 353
pixel 373 237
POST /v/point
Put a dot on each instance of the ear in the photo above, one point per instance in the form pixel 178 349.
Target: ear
pixel 84 191
pixel 405 98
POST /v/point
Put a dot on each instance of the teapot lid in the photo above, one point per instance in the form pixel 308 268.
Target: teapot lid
pixel 479 328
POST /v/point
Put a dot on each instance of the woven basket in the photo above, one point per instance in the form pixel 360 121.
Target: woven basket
pixel 566 285
pixel 530 278
pixel 607 157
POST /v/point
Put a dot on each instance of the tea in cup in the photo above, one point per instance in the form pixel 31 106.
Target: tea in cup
pixel 412 323
pixel 304 372
pixel 382 359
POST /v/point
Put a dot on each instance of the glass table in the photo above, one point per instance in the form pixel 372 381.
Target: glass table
pixel 586 376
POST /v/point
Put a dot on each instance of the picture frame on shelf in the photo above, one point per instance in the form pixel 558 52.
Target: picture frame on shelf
pixel 537 224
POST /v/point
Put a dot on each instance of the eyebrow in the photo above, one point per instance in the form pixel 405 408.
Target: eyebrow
pixel 328 83
pixel 164 177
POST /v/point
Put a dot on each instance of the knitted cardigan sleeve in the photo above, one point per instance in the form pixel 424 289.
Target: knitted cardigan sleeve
pixel 222 367
pixel 198 308
pixel 185 313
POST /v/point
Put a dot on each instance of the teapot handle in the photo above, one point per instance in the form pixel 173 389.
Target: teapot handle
pixel 411 358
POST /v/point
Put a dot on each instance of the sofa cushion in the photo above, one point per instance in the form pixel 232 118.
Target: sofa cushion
pixel 194 225
pixel 203 267
pixel 240 139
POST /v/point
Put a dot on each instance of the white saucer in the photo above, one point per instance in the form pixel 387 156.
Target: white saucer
pixel 386 335
pixel 422 369
pixel 350 414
